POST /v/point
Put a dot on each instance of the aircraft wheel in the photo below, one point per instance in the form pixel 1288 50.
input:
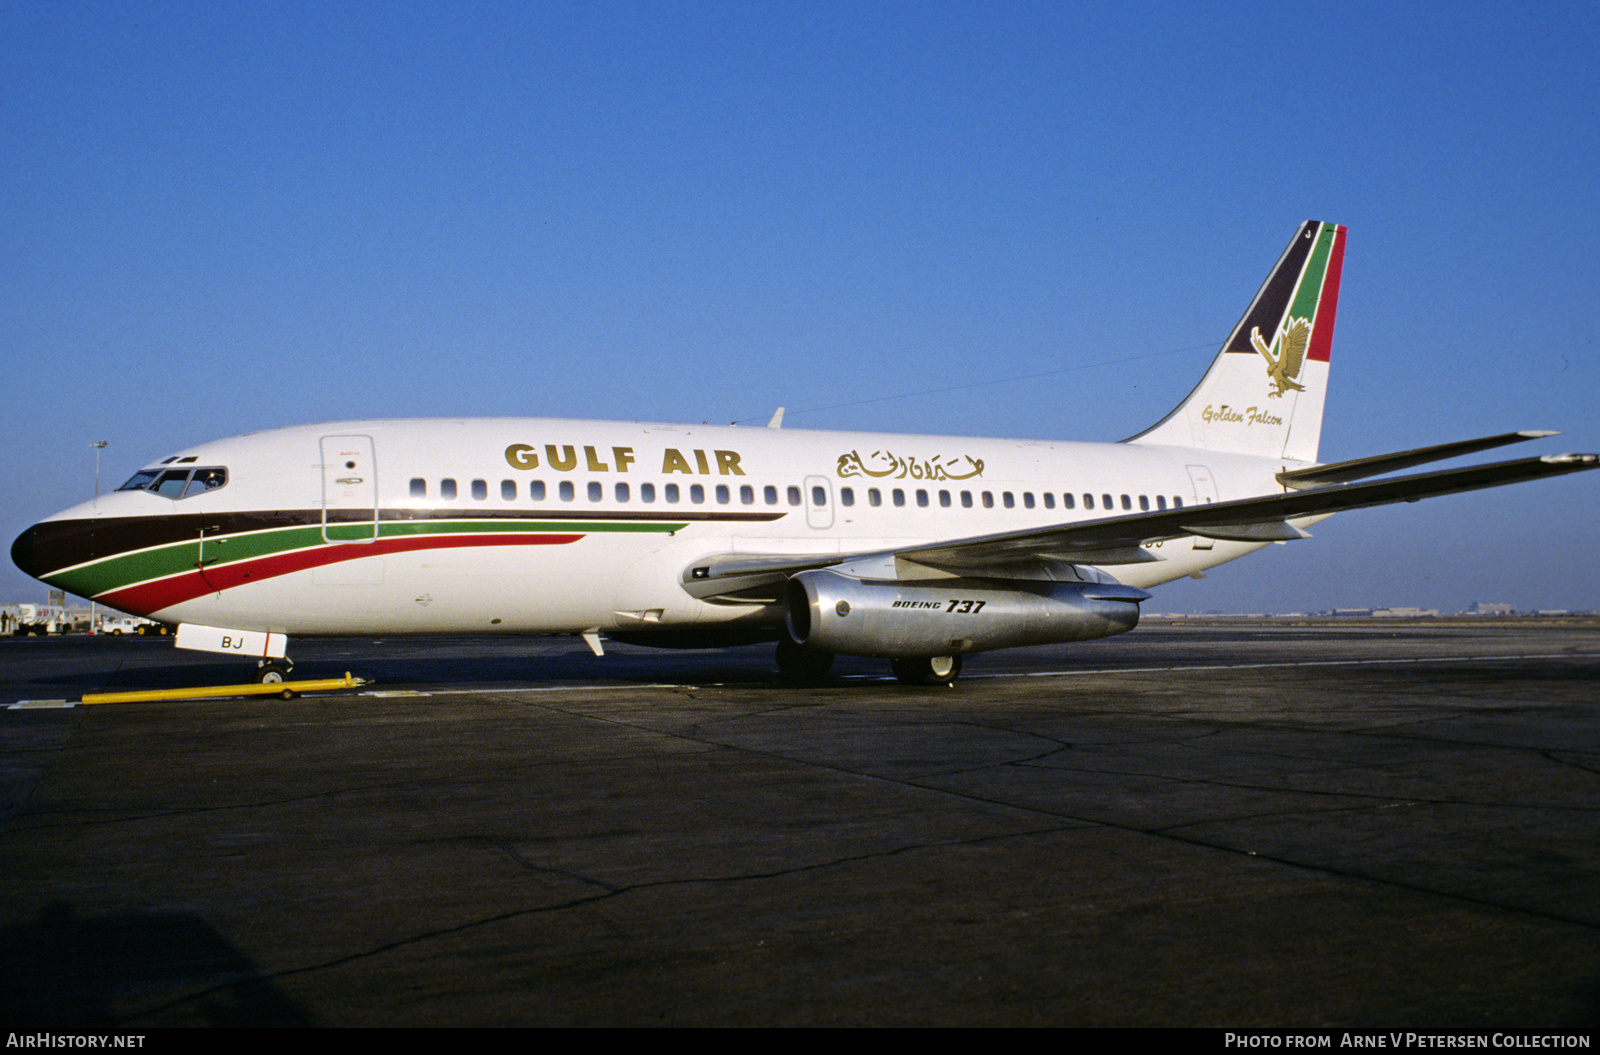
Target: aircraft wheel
pixel 927 670
pixel 803 666
pixel 273 672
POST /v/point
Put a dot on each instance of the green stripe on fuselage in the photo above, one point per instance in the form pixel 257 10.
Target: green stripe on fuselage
pixel 115 573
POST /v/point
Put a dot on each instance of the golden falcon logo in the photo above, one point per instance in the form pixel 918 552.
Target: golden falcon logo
pixel 1285 367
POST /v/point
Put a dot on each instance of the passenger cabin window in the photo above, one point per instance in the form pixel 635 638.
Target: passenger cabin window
pixel 596 492
pixel 622 492
pixel 647 492
pixel 447 488
pixel 480 490
pixel 508 490
pixel 536 490
pixel 566 491
pixel 419 487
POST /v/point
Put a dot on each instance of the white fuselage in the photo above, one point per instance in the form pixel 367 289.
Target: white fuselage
pixel 551 525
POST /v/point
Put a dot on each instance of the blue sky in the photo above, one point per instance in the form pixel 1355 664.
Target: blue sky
pixel 221 217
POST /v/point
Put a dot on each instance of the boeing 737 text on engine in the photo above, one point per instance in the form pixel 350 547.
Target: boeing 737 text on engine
pixel 918 549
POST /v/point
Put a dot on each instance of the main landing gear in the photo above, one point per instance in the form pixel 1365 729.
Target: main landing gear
pixel 803 666
pixel 810 666
pixel 927 670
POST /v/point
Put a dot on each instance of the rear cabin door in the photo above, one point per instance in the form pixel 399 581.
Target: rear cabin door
pixel 1205 492
pixel 349 489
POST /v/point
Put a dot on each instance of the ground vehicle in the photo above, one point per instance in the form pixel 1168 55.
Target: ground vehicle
pixel 20 620
pixel 127 624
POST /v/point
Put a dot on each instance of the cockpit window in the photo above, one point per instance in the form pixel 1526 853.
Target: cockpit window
pixel 205 480
pixel 140 480
pixel 177 483
pixel 171 484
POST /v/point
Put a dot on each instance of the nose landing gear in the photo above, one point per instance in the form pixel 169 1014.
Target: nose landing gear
pixel 273 671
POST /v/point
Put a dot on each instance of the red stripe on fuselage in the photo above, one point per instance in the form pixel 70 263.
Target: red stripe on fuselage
pixel 163 593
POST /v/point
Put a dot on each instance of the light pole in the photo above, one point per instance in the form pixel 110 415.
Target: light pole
pixel 98 445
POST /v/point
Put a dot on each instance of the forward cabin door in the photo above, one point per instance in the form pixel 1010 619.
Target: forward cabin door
pixel 349 489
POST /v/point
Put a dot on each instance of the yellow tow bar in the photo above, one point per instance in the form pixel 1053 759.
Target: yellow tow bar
pixel 286 689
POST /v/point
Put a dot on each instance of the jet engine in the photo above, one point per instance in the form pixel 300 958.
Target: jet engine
pixel 942 617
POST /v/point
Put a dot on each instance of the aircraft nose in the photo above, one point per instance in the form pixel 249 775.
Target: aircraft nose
pixel 22 552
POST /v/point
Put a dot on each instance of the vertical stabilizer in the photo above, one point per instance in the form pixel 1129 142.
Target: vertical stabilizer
pixel 1265 390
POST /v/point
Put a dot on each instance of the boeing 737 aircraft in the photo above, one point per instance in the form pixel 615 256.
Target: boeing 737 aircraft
pixel 918 549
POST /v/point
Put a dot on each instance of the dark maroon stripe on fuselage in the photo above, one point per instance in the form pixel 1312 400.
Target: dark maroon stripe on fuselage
pixel 163 593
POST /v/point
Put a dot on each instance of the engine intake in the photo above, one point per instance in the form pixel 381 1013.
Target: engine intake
pixel 940 617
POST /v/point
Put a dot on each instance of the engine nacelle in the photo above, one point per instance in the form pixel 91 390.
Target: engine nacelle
pixel 943 617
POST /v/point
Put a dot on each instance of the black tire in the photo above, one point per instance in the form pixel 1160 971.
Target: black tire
pixel 927 670
pixel 803 666
pixel 272 672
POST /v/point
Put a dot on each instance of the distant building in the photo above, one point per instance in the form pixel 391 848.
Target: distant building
pixel 1490 608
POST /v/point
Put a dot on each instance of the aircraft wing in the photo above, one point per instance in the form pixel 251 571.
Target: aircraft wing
pixel 1110 540
pixel 1122 539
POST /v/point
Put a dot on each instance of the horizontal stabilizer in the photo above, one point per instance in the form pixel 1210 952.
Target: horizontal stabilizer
pixel 1260 531
pixel 1378 464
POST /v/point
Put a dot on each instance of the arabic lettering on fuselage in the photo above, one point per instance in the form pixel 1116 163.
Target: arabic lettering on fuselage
pixel 887 463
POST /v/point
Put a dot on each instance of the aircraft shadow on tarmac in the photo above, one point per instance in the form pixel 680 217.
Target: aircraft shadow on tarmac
pixel 65 973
